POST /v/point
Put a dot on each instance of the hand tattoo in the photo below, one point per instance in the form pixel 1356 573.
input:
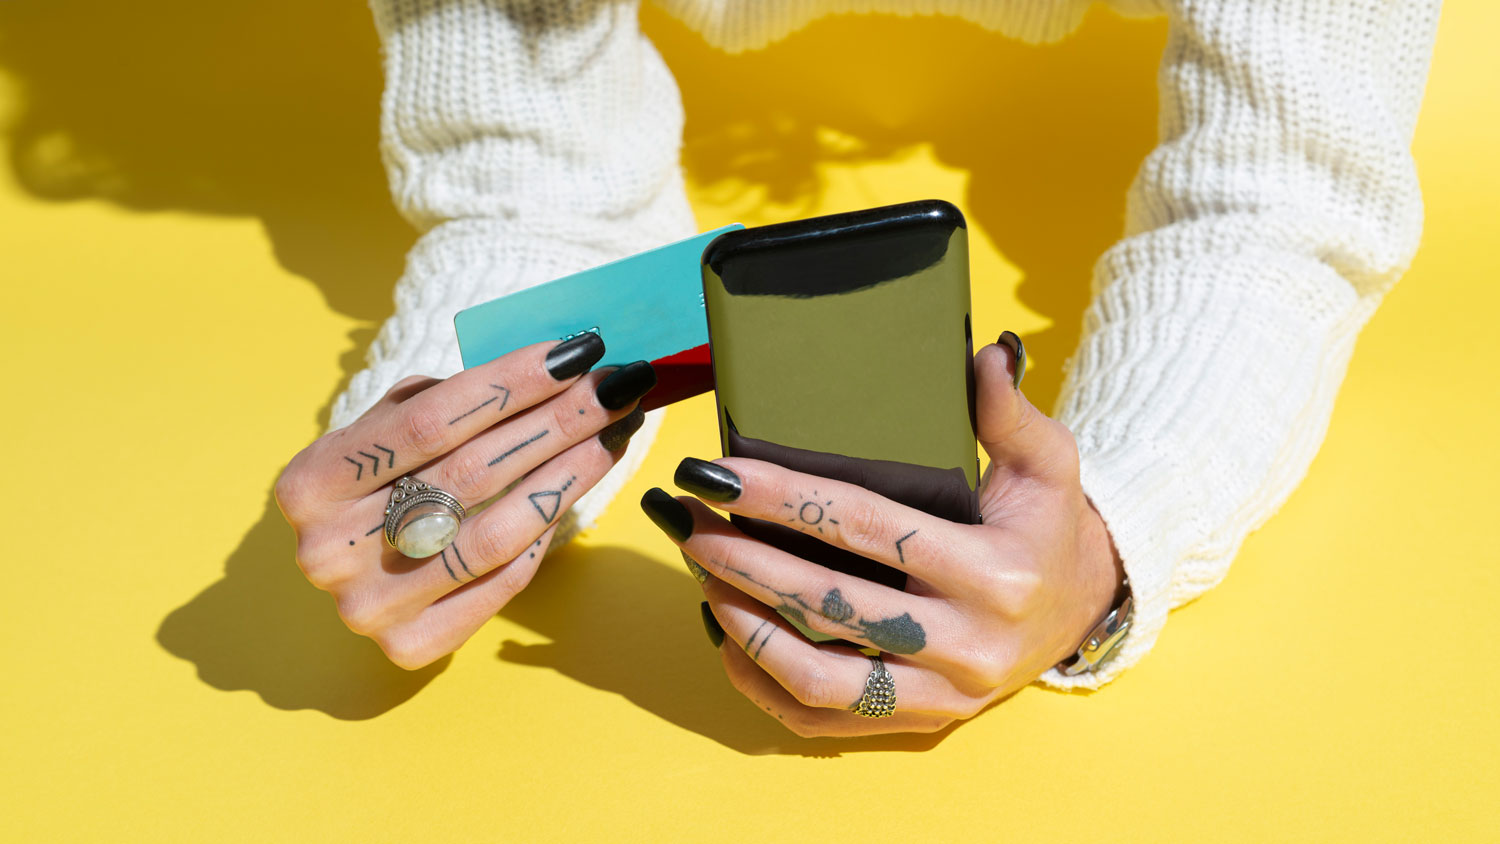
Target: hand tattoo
pixel 810 512
pixel 517 448
pixel 503 398
pixel 548 501
pixel 374 459
pixel 897 634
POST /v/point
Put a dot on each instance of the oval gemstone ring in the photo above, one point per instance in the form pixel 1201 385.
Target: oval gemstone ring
pixel 420 519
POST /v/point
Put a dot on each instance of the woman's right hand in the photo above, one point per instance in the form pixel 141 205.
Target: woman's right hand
pixel 531 416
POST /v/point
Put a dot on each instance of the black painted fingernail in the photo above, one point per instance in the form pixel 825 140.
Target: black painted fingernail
pixel 616 435
pixel 711 625
pixel 625 385
pixel 1012 341
pixel 668 514
pixel 575 355
pixel 707 480
pixel 700 574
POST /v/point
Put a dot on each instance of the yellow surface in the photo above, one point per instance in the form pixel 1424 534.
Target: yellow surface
pixel 196 245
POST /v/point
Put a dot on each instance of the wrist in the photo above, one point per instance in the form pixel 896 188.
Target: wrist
pixel 1105 605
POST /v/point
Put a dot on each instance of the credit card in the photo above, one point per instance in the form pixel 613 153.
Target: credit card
pixel 648 306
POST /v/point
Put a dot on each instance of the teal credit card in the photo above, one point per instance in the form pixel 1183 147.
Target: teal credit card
pixel 648 306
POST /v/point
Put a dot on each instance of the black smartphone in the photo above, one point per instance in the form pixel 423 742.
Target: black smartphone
pixel 842 348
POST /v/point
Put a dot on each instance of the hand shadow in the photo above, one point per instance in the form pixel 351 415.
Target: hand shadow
pixel 266 109
pixel 624 623
pixel 263 627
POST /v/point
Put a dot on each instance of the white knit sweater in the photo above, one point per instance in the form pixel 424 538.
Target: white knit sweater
pixel 530 139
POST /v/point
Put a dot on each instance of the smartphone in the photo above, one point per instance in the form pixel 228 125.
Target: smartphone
pixel 842 347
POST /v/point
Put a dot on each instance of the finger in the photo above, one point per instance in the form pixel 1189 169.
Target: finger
pixel 1018 437
pixel 380 447
pixel 811 722
pixel 824 600
pixel 829 676
pixel 839 514
pixel 512 527
pixel 445 625
pixel 480 469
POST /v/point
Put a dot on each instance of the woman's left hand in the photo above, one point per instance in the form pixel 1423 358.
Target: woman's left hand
pixel 987 608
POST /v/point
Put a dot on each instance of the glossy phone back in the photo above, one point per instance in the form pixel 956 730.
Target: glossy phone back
pixel 841 348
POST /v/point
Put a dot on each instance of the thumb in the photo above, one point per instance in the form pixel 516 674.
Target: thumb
pixel 1018 437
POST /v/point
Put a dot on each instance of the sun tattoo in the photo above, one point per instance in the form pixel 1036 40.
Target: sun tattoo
pixel 810 511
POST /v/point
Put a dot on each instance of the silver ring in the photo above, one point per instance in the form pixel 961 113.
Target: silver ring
pixel 879 699
pixel 420 519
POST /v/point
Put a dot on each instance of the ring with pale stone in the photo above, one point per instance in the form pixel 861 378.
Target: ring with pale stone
pixel 420 519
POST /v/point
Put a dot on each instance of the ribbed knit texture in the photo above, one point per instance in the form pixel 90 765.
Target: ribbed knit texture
pixel 530 139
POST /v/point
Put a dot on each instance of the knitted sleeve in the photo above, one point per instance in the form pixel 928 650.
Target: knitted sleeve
pixel 1281 204
pixel 526 140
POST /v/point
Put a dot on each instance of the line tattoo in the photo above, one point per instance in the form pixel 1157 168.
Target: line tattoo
pixel 444 555
pixel 751 642
pixel 460 559
pixel 359 467
pixel 518 447
pixel 901 555
pixel 899 634
pixel 548 501
pixel 810 512
pixel 503 398
pixel 374 530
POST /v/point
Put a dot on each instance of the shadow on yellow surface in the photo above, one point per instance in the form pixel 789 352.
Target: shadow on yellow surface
pixel 269 110
pixel 263 628
pixel 616 621
pixel 261 109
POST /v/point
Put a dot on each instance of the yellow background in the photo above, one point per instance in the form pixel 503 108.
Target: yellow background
pixel 196 246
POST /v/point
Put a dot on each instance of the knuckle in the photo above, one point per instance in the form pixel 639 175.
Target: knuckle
pixel 468 477
pixel 862 527
pixel 495 543
pixel 422 431
pixel 361 615
pixel 1019 593
pixel 406 651
pixel 816 688
pixel 991 667
pixel 293 491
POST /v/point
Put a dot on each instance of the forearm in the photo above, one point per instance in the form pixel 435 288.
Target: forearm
pixel 526 140
pixel 1280 206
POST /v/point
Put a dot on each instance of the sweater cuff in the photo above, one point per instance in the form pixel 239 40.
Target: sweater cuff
pixel 1131 494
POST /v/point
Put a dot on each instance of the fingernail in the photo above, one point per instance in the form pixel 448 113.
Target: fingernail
pixel 711 625
pixel 575 355
pixel 668 514
pixel 616 435
pixel 1012 341
pixel 707 480
pixel 625 385
pixel 700 574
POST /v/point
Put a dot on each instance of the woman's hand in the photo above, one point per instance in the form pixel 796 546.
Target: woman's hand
pixel 987 607
pixel 532 417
